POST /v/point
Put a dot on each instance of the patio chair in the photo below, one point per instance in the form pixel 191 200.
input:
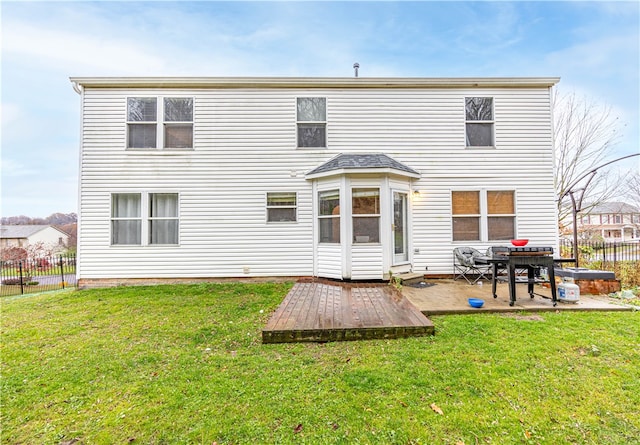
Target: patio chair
pixel 465 265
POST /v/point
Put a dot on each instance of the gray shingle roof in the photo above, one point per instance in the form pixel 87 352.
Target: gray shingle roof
pixel 345 161
pixel 20 231
pixel 613 208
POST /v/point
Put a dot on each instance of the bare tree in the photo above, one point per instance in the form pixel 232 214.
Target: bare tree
pixel 585 133
pixel 632 191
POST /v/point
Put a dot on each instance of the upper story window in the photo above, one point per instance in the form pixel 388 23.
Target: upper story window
pixel 479 121
pixel 604 219
pixel 160 123
pixel 483 215
pixel 617 219
pixel 281 207
pixel 312 121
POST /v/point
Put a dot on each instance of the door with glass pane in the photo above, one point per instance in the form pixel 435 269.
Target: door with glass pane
pixel 400 244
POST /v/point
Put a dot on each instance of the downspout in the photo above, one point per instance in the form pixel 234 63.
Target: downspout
pixel 78 88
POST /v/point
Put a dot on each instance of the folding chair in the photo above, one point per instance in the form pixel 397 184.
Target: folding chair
pixel 465 266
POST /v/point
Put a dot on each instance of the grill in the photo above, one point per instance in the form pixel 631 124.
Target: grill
pixel 529 258
pixel 522 251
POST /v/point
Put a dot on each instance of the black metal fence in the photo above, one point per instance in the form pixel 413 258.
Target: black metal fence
pixel 604 253
pixel 26 276
pixel 621 258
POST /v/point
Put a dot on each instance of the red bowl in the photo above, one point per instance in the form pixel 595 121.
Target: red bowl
pixel 519 242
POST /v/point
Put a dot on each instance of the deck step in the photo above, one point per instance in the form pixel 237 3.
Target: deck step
pixel 410 277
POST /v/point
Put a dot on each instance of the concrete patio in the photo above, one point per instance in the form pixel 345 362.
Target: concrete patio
pixel 446 296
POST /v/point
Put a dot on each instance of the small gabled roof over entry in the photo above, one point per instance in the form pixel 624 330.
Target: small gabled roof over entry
pixel 346 163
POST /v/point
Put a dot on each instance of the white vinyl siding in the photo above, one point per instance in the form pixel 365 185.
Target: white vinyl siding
pixel 330 261
pixel 366 260
pixel 243 141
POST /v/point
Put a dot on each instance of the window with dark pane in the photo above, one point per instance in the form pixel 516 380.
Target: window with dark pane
pixel 479 122
pixel 311 116
pixel 142 122
pixel 178 118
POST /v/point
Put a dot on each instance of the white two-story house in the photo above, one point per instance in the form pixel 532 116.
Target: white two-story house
pixel 343 178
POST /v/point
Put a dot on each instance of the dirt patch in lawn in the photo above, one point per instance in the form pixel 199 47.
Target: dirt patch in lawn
pixel 524 317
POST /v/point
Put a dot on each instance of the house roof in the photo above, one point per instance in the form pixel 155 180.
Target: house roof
pixel 362 163
pixel 23 231
pixel 312 82
pixel 614 207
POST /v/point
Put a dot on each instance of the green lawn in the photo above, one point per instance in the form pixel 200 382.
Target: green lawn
pixel 185 364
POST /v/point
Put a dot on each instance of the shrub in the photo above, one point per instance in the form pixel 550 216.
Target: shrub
pixel 11 281
pixel 628 272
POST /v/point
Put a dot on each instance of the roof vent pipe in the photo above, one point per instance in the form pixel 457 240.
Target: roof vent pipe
pixel 355 67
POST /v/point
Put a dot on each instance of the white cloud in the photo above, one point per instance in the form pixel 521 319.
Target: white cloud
pixel 64 49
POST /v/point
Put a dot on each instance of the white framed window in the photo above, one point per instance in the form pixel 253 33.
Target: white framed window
pixel 311 116
pixel 126 219
pixel 483 215
pixel 466 215
pixel 163 218
pixel 365 212
pixel 329 216
pixel 282 207
pixel 617 219
pixel 159 122
pixel 142 118
pixel 501 215
pixel 144 219
pixel 479 123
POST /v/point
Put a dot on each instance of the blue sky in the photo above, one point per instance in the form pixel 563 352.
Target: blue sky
pixel 592 46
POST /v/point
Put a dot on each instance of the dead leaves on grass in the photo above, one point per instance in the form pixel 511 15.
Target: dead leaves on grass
pixel 436 409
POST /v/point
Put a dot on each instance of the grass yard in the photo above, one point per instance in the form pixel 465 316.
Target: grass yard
pixel 185 365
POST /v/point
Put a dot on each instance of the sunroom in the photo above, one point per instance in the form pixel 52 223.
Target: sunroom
pixel 362 217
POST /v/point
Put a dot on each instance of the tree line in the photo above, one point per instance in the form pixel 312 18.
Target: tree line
pixel 55 219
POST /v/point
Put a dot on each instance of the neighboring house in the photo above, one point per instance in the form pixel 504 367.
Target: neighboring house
pixel 611 221
pixel 49 237
pixel 344 178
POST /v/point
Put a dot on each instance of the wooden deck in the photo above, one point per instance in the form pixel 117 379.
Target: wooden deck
pixel 320 312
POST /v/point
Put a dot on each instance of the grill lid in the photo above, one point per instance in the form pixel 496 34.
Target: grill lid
pixel 526 250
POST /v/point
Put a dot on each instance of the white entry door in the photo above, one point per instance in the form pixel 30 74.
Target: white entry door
pixel 400 244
